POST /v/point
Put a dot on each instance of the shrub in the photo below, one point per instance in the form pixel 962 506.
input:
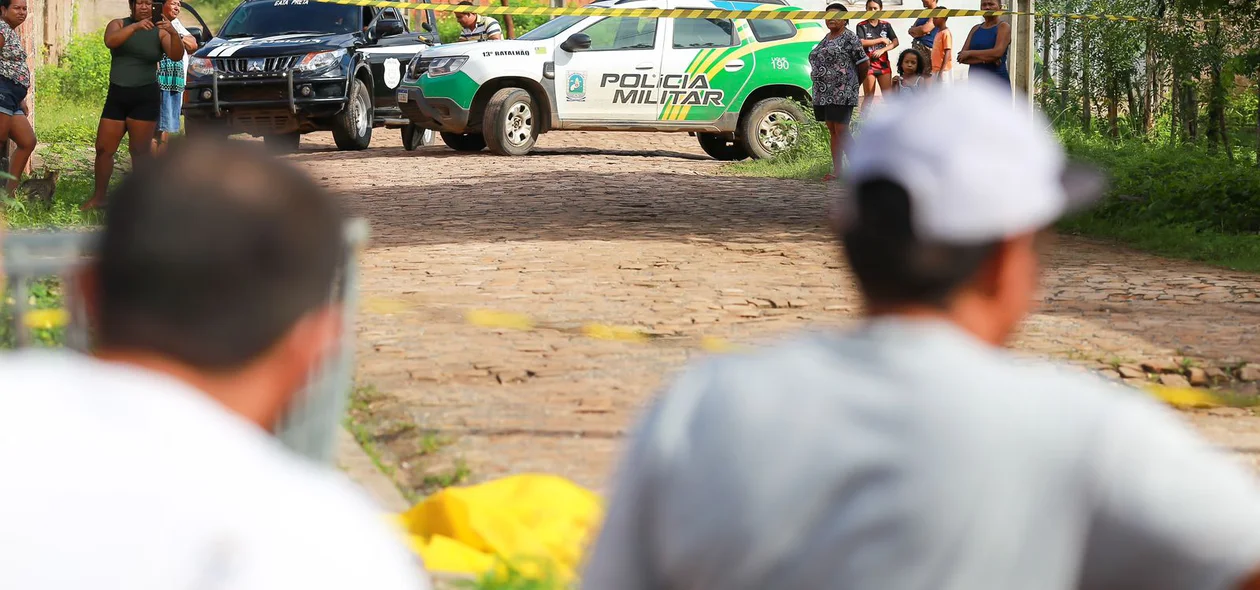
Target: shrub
pixel 1172 186
pixel 82 73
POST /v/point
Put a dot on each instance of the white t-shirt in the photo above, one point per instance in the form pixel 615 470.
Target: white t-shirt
pixel 179 28
pixel 907 455
pixel 119 478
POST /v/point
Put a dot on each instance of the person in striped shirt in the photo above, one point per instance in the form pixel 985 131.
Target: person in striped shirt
pixel 475 27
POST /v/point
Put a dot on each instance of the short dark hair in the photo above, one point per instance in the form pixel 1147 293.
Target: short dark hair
pixel 838 7
pixel 892 266
pixel 880 3
pixel 212 252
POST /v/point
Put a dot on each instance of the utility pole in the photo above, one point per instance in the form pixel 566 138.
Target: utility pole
pixel 1023 51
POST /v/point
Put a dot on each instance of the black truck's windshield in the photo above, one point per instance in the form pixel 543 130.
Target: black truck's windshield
pixel 281 17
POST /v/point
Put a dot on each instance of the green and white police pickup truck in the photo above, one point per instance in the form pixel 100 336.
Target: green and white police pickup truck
pixel 735 84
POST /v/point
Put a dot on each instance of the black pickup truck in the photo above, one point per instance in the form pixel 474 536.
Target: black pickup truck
pixel 281 68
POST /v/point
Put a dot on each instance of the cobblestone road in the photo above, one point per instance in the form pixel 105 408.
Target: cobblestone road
pixel 642 230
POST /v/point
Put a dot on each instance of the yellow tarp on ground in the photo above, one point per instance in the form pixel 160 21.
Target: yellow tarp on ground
pixel 529 522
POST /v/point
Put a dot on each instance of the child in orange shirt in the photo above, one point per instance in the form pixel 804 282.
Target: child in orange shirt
pixel 942 50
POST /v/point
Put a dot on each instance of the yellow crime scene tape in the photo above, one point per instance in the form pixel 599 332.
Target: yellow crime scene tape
pixel 44 319
pixel 771 12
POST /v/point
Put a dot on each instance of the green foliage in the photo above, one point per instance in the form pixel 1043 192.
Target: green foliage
pixel 506 577
pixel 82 74
pixel 1174 187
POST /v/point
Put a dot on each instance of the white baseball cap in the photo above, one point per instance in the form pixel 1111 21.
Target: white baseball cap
pixel 977 168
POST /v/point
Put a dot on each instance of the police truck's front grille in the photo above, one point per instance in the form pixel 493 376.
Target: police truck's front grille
pixel 255 65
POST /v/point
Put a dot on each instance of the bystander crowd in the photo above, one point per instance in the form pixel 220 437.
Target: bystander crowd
pixel 15 96
pixel 152 464
pixel 845 460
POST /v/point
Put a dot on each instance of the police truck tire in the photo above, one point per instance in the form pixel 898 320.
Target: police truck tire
pixel 414 137
pixel 283 144
pixel 721 148
pixel 770 127
pixel 352 127
pixel 459 142
pixel 510 122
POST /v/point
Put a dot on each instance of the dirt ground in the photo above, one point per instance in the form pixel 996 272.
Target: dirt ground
pixel 643 230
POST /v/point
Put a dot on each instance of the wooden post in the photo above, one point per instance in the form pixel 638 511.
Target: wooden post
pixel 1022 51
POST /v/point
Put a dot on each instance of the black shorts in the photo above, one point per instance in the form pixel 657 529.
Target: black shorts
pixel 142 103
pixel 834 113
pixel 11 96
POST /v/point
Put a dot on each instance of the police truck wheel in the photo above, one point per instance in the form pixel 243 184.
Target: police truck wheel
pixel 352 127
pixel 771 127
pixel 511 122
pixel 459 142
pixel 283 144
pixel 414 137
pixel 721 148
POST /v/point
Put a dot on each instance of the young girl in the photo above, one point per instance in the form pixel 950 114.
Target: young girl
pixel 909 78
pixel 878 38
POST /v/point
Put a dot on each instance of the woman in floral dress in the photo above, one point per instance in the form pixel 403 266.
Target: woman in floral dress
pixel 15 84
pixel 838 65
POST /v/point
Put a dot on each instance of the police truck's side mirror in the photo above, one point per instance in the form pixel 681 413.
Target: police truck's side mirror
pixel 576 42
pixel 426 25
pixel 388 28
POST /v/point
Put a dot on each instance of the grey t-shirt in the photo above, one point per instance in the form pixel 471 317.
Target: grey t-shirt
pixel 909 455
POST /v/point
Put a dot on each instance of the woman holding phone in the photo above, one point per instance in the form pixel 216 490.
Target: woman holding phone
pixel 136 44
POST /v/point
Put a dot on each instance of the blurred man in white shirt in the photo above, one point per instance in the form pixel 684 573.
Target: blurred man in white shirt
pixel 152 465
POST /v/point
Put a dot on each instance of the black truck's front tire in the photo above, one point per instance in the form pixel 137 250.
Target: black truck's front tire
pixel 511 122
pixel 286 143
pixel 352 127
pixel 473 142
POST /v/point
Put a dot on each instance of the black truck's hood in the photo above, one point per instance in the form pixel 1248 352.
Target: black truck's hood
pixel 275 45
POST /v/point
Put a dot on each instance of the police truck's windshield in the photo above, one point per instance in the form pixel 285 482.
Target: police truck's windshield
pixel 551 28
pixel 285 17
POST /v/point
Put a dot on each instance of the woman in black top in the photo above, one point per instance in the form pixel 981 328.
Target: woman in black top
pixel 877 38
pixel 136 45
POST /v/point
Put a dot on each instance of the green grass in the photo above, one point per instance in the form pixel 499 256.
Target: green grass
pixel 505 577
pixel 1175 202
pixel 1234 251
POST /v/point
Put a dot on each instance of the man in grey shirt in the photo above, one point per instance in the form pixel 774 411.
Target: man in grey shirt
pixel 914 452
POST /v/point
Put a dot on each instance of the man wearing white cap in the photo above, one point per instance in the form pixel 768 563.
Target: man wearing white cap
pixel 913 452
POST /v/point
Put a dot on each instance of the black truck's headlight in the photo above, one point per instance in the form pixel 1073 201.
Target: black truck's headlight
pixel 201 66
pixel 313 62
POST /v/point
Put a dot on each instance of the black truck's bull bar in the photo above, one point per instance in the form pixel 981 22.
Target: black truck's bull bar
pixel 293 100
